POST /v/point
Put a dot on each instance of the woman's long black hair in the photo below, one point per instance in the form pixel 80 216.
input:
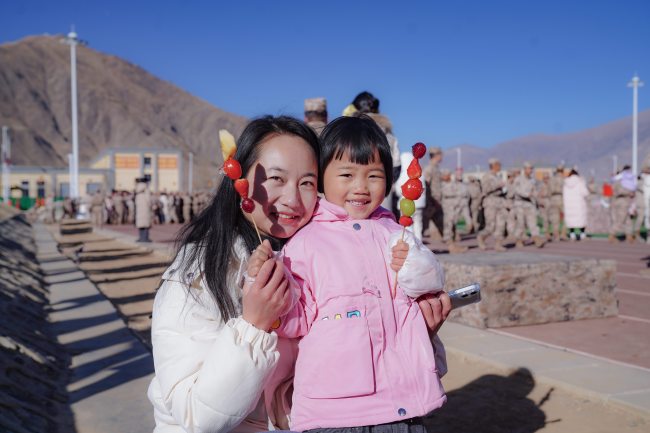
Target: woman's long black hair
pixel 214 231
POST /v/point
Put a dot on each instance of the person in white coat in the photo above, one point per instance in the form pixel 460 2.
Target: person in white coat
pixel 218 368
pixel 575 193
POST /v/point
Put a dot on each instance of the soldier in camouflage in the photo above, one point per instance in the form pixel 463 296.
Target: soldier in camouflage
pixel 433 208
pixel 493 206
pixel 452 205
pixel 524 191
pixel 555 186
pixel 463 202
pixel 509 199
pixel 543 204
pixel 474 189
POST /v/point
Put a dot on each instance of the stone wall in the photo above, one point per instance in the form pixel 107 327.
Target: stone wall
pixel 531 288
pixel 33 366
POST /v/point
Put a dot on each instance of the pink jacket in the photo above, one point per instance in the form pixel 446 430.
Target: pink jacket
pixel 365 359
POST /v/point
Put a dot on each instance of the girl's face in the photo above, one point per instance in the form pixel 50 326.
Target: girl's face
pixel 357 188
pixel 283 184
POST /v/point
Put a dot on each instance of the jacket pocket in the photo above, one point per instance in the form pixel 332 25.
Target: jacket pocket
pixel 335 358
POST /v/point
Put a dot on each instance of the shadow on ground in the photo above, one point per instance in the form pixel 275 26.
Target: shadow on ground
pixel 492 404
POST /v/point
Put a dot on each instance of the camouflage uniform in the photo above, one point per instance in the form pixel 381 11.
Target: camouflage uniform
pixel 493 208
pixel 433 210
pixel 543 204
pixel 555 186
pixel 463 203
pixel 526 207
pixel 97 209
pixel 510 211
pixel 474 189
pixel 452 205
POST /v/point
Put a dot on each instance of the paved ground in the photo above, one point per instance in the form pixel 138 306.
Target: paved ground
pixel 625 338
pixel 111 368
pixel 534 378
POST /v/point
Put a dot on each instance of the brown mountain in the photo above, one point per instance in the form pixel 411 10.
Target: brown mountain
pixel 120 105
pixel 591 150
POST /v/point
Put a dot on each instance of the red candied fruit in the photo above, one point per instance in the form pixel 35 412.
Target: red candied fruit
pixel 405 221
pixel 248 205
pixel 419 149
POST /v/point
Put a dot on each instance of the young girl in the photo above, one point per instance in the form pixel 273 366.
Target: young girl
pixel 364 358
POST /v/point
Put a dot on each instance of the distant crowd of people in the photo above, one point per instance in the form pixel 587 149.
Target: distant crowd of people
pixel 517 207
pixel 512 207
pixel 121 207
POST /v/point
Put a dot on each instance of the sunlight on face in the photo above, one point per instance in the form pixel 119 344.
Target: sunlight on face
pixel 357 188
pixel 283 183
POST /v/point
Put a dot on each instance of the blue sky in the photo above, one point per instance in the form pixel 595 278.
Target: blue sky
pixel 447 73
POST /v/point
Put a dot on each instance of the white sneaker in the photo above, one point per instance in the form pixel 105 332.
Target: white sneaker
pixel 572 236
pixel 583 236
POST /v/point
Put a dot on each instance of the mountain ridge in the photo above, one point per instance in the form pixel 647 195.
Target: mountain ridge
pixel 120 105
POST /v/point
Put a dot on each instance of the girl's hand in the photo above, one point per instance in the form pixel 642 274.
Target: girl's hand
pixel 266 298
pixel 258 257
pixel 435 308
pixel 400 251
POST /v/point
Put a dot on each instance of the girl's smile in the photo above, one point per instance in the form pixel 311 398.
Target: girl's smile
pixel 357 188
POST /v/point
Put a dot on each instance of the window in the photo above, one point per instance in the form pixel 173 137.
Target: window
pixel 64 189
pixel 92 187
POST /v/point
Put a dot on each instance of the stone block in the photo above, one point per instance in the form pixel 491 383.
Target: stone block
pixel 598 215
pixel 531 288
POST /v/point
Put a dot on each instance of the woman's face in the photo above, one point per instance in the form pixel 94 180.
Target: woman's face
pixel 283 184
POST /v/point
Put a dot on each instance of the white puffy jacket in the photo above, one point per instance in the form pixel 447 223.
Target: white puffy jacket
pixel 213 376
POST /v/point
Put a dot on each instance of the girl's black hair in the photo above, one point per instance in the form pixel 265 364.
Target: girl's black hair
pixel 360 136
pixel 215 229
pixel 366 102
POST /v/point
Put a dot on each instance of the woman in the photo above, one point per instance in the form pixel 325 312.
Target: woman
pixel 575 194
pixel 217 367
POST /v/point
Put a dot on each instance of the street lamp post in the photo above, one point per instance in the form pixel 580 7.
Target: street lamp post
pixel 73 41
pixel 635 83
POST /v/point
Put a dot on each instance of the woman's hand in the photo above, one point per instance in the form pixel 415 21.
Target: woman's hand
pixel 266 298
pixel 258 257
pixel 400 251
pixel 435 308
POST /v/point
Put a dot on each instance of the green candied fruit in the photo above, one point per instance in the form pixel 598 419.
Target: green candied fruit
pixel 407 207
